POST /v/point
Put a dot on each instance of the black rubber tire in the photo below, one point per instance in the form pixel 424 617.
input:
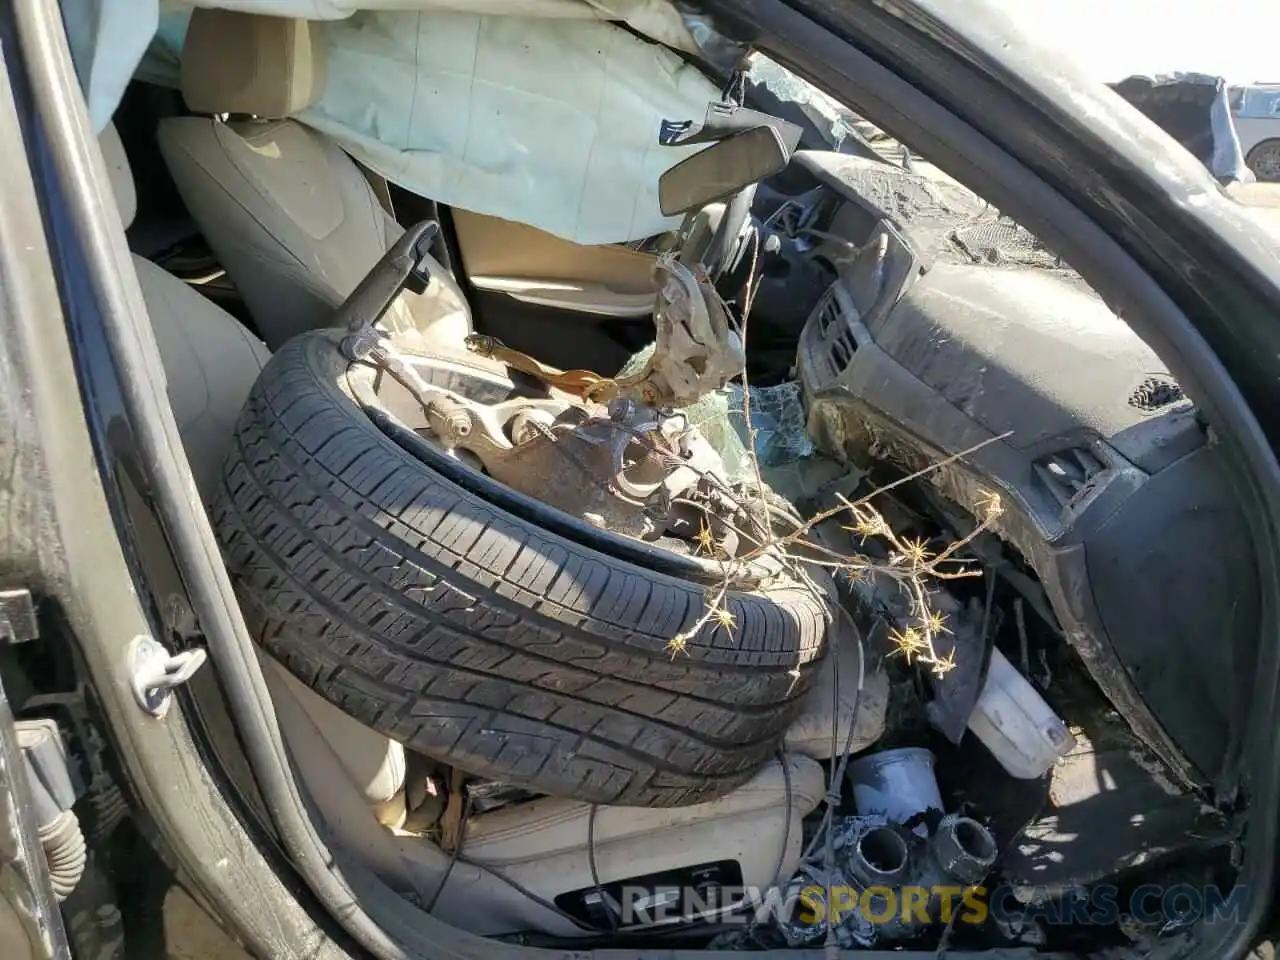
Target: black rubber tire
pixel 478 638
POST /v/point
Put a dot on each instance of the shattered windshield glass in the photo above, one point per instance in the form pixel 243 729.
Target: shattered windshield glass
pixel 837 123
pixel 945 219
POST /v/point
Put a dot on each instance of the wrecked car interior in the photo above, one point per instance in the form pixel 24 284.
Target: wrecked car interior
pixel 733 538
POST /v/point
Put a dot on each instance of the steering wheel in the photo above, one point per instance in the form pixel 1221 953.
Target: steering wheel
pixel 713 236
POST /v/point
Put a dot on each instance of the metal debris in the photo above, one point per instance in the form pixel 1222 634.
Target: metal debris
pixel 698 348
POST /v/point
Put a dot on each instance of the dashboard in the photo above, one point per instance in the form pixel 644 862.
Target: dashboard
pixel 1115 494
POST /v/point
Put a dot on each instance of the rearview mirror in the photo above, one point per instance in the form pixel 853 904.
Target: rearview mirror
pixel 721 170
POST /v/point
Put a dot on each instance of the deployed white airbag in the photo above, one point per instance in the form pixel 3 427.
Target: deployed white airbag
pixel 551 120
pixel 107 39
pixel 658 19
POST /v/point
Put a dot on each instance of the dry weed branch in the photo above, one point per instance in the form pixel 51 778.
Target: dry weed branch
pixel 910 564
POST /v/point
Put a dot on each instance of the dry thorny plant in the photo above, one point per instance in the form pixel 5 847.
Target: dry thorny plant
pixel 910 564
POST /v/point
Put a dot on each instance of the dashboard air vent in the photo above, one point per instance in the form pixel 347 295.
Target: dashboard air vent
pixel 842 349
pixel 1067 474
pixel 828 314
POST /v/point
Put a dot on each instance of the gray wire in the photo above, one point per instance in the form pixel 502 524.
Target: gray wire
pixel 829 812
pixel 786 823
pixel 526 892
pixel 457 858
pixel 837 770
pixel 786 834
pixel 457 853
pixel 595 873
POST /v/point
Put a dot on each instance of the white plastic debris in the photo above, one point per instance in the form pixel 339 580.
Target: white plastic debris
pixel 1016 724
pixel 896 784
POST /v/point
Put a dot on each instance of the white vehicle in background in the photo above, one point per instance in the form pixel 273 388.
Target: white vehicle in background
pixel 1256 112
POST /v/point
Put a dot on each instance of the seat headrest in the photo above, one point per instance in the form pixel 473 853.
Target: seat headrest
pixel 118 170
pixel 270 67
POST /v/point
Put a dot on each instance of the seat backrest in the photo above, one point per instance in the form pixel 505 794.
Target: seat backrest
pixel 121 175
pixel 290 216
pixel 210 360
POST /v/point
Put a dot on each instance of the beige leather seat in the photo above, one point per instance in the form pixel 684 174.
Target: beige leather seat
pixel 210 363
pixel 370 762
pixel 542 845
pixel 294 221
pixel 210 359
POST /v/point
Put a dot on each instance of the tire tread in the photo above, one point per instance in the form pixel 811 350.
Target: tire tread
pixel 477 638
